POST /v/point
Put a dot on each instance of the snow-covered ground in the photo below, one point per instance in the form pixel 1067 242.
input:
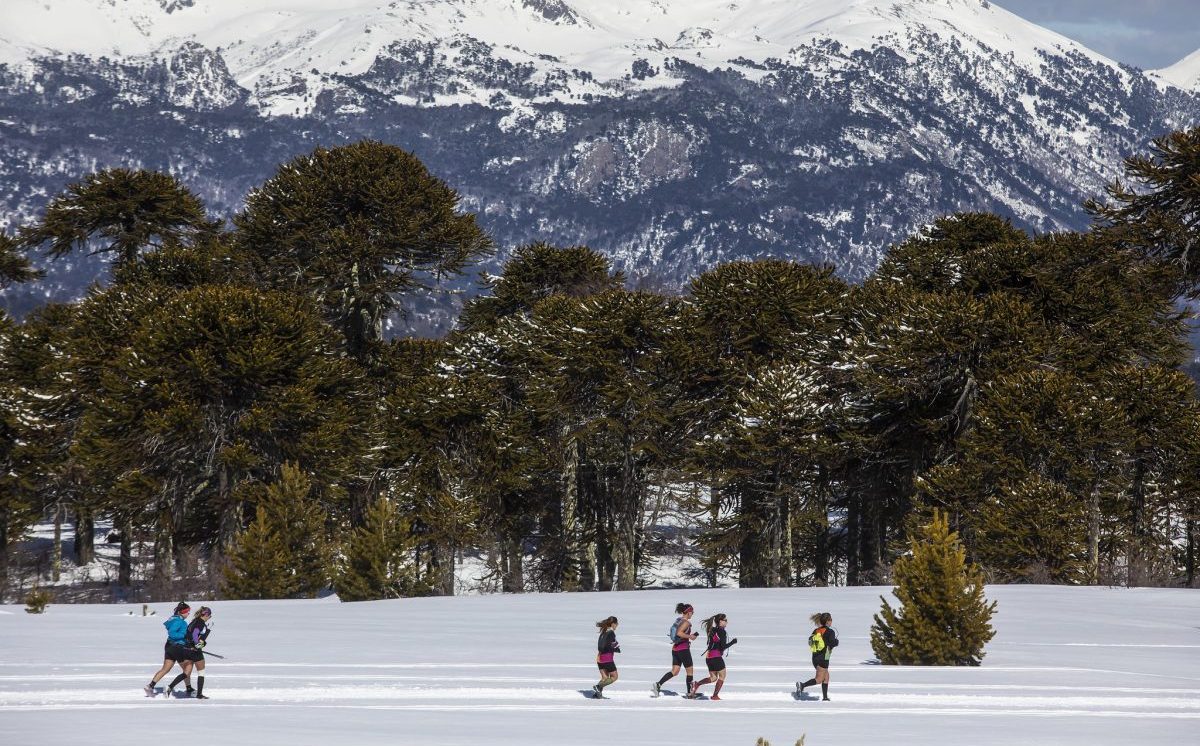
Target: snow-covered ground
pixel 1067 666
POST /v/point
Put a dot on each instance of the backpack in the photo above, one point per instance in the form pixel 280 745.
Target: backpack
pixel 816 641
pixel 674 629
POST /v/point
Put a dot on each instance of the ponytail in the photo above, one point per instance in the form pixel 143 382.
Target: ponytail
pixel 821 618
pixel 710 623
pixel 682 608
pixel 606 624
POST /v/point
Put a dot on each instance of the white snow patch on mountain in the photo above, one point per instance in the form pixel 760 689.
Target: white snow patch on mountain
pixel 1185 73
pixel 275 48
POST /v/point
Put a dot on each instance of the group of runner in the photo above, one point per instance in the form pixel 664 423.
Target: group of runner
pixel 186 640
pixel 185 647
pixel 821 643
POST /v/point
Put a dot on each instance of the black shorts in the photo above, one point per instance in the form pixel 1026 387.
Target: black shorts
pixel 820 661
pixel 715 664
pixel 193 654
pixel 681 658
pixel 609 667
pixel 173 651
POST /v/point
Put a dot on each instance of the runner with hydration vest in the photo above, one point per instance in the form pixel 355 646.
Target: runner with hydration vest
pixel 681 637
pixel 606 647
pixel 714 655
pixel 174 651
pixel 821 643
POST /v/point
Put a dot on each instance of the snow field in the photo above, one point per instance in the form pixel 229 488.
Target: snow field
pixel 1068 666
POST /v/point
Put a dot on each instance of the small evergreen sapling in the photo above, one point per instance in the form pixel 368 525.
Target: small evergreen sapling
pixel 943 619
pixel 36 600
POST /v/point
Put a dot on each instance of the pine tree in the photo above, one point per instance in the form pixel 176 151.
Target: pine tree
pixel 14 267
pixel 353 227
pixel 943 619
pixel 258 564
pixel 121 212
pixel 1158 211
pixel 378 558
pixel 210 398
pixel 758 340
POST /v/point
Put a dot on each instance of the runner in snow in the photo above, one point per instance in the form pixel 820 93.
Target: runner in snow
pixel 821 643
pixel 714 655
pixel 681 642
pixel 174 651
pixel 194 641
pixel 606 647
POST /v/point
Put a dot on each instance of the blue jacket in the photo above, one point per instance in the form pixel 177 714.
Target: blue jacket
pixel 176 629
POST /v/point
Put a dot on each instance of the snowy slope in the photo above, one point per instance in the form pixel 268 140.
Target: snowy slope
pixel 273 47
pixel 1184 73
pixel 1068 666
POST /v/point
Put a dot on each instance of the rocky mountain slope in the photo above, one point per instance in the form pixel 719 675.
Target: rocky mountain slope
pixel 672 134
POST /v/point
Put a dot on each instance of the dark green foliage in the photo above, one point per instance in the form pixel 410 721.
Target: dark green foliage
pixel 233 392
pixel 535 272
pixel 379 558
pixel 760 340
pixel 943 619
pixel 118 211
pixel 1157 211
pixel 290 525
pixel 14 267
pixel 36 600
pixel 353 227
pixel 211 397
pixel 258 564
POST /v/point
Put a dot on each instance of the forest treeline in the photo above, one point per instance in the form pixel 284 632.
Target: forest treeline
pixel 229 392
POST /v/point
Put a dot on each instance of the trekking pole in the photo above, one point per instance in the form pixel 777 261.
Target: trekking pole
pixel 213 654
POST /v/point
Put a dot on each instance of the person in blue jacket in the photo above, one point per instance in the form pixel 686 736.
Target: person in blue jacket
pixel 174 651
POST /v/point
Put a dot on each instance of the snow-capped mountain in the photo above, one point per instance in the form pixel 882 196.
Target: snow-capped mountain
pixel 1184 73
pixel 673 134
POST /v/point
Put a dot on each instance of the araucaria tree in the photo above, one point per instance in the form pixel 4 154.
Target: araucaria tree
pixel 353 227
pixel 943 619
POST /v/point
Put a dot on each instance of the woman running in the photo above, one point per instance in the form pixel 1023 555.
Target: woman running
pixel 821 643
pixel 606 647
pixel 173 651
pixel 714 656
pixel 194 641
pixel 681 643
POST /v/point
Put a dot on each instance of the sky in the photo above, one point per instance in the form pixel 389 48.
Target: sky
pixel 1144 33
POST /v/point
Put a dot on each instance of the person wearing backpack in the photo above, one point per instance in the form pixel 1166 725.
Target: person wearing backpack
pixel 174 651
pixel 606 647
pixel 194 641
pixel 821 643
pixel 681 636
pixel 714 655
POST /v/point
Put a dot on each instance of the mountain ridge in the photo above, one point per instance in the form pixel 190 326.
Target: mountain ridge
pixel 670 154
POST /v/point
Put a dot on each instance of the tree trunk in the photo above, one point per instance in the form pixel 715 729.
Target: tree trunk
pixel 230 524
pixel 125 564
pixel 714 514
pixel 1093 552
pixel 85 536
pixel 821 555
pixel 1190 557
pixel 567 526
pixel 3 555
pixel 512 565
pixel 443 569
pixel 853 569
pixel 754 552
pixel 605 566
pixel 163 546
pixel 56 551
pixel 1136 556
